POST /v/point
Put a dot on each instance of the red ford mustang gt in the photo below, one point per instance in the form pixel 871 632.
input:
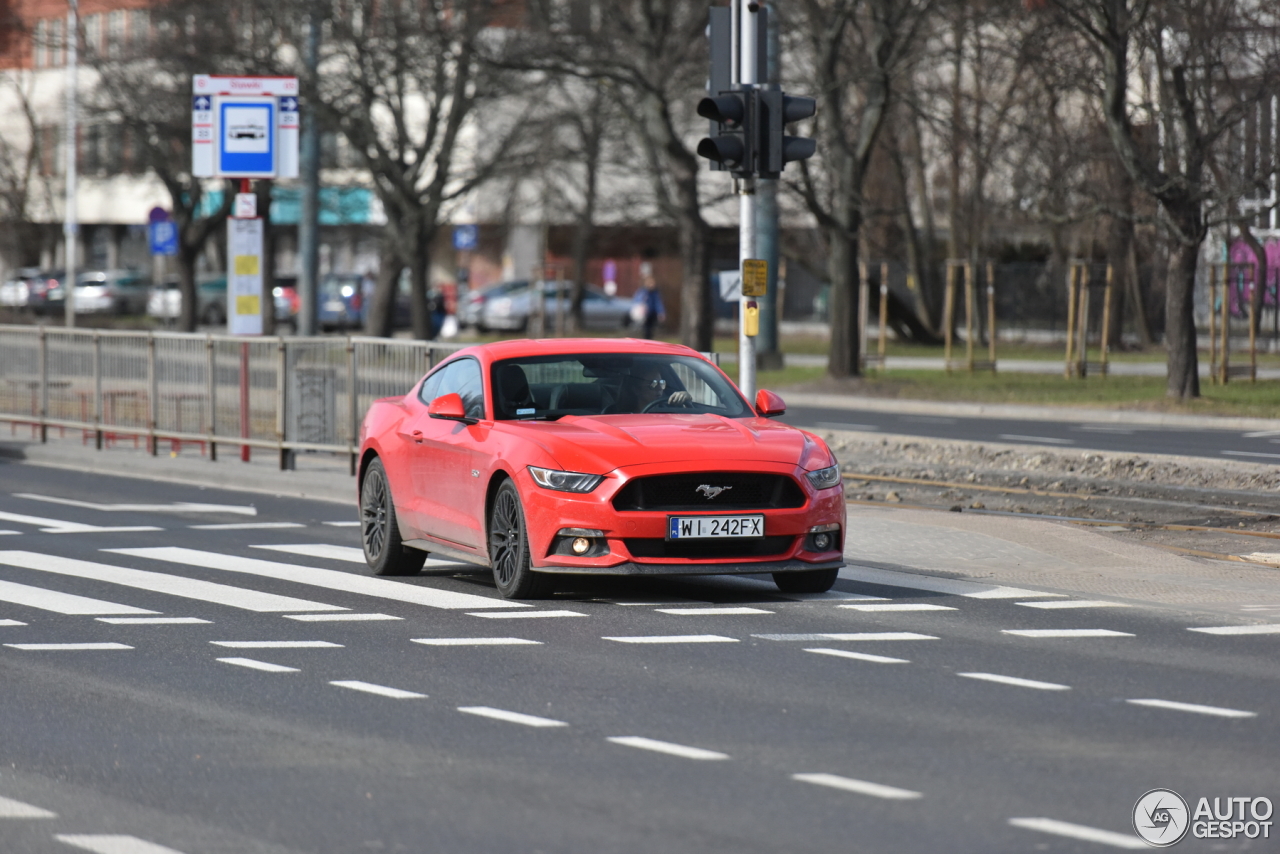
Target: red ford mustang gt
pixel 539 458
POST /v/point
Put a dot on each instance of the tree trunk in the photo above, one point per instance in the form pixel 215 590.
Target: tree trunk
pixel 424 327
pixel 380 314
pixel 263 190
pixel 843 305
pixel 1180 321
pixel 187 256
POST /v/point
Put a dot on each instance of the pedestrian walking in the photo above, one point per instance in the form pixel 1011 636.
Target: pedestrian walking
pixel 647 308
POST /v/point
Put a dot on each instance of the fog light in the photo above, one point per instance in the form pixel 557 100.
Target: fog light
pixel 580 545
pixel 821 542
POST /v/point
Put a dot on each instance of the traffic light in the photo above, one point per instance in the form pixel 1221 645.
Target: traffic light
pixel 734 133
pixel 776 148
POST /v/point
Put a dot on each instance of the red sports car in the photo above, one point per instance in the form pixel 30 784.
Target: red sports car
pixel 540 458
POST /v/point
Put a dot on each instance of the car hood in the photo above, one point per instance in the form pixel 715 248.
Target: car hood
pixel 600 444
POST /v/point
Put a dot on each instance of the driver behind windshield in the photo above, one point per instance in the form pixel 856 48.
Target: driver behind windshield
pixel 647 388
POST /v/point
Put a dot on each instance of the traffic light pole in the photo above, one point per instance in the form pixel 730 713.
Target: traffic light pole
pixel 746 35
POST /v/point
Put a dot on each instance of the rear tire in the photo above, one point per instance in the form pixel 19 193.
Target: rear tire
pixel 384 550
pixel 509 549
pixel 808 581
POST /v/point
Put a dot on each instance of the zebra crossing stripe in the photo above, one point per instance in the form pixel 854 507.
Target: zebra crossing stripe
pixel 59 602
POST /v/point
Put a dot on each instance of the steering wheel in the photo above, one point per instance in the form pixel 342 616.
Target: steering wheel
pixel 669 400
pixel 653 404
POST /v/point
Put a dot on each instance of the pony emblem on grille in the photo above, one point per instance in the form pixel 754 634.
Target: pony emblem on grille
pixel 711 491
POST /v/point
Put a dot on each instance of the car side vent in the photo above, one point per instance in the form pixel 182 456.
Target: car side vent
pixel 710 491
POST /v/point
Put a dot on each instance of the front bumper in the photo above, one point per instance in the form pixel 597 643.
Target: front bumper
pixel 727 568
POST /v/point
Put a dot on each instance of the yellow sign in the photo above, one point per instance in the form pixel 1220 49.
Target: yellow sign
pixel 250 305
pixel 751 321
pixel 755 277
pixel 246 265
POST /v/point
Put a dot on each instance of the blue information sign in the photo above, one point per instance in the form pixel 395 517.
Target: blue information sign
pixel 247 137
pixel 466 237
pixel 163 238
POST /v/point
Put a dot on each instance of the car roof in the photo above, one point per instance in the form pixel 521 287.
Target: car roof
pixel 513 349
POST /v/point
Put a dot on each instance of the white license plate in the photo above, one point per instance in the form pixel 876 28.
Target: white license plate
pixel 714 527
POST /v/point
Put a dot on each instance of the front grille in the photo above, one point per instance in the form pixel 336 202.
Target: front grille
pixel 740 491
pixel 709 549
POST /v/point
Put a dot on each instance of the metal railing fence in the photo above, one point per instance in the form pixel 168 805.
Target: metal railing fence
pixel 284 394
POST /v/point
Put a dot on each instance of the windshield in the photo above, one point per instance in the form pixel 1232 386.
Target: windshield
pixel 550 387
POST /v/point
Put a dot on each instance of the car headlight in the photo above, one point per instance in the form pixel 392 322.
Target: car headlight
pixel 824 478
pixel 565 481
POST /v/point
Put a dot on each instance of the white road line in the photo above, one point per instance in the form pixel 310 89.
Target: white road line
pixel 666 747
pixel 1267 629
pixel 277 644
pixel 246 526
pixel 475 641
pixel 711 612
pixel 61 603
pixel 861 787
pixel 328 578
pixel 381 690
pixel 1262 434
pixel 1045 440
pixel 10 533
pixel 1217 711
pixel 859 656
pixel 1066 633
pixel 10 808
pixel 321 550
pixel 674 639
pixel 60 526
pixel 836 425
pixel 1015 681
pixel 956 587
pixel 850 636
pixel 1252 454
pixel 113 844
pixel 1072 603
pixel 69 647
pixel 510 717
pixel 519 615
pixel 339 618
pixel 346 524
pixel 1105 428
pixel 1080 831
pixel 264 666
pixel 158 582
pixel 152 621
pixel 176 507
pixel 12 623
pixel 899 606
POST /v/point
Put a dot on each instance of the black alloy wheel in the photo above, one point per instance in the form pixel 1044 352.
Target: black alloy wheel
pixel 384 551
pixel 509 549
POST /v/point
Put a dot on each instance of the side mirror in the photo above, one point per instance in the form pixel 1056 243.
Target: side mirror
pixel 450 408
pixel 769 404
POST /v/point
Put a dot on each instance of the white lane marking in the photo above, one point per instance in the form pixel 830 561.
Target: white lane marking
pixel 1044 440
pixel 1073 603
pixel 969 589
pixel 10 808
pixel 70 647
pixel 859 656
pixel 347 524
pixel 1267 629
pixel 666 747
pixel 328 578
pixel 519 615
pixel 674 639
pixel 152 621
pixel 113 844
pixel 1080 831
pixel 650 603
pixel 475 641
pixel 8 533
pixel 1066 633
pixel 1262 434
pixel 711 612
pixel 254 664
pixel 277 644
pixel 510 717
pixel 12 623
pixel 381 690
pixel 61 603
pixel 1217 711
pixel 861 787
pixel 1252 454
pixel 339 618
pixel 836 425
pixel 158 582
pixel 59 526
pixel 832 596
pixel 1105 428
pixel 322 550
pixel 899 606
pixel 850 636
pixel 1015 681
pixel 246 526
pixel 175 507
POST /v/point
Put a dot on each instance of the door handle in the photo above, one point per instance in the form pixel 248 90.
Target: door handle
pixel 417 436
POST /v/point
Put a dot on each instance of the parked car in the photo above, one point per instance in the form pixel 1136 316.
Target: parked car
pixel 16 292
pixel 471 311
pixel 112 292
pixel 599 310
pixel 340 302
pixel 165 301
pixel 628 482
pixel 37 291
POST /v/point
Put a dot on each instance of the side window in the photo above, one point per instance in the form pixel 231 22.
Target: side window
pixel 431 388
pixel 463 378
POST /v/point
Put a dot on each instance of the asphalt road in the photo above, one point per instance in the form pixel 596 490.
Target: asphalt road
pixel 1256 446
pixel 427 715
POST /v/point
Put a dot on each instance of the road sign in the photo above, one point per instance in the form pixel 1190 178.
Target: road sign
pixel 245 136
pixel 244 276
pixel 162 237
pixel 755 277
pixel 244 127
pixel 466 237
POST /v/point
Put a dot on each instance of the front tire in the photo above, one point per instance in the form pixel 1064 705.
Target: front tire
pixel 807 581
pixel 384 550
pixel 509 549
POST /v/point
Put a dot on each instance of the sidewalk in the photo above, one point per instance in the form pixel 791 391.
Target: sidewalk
pixel 979 548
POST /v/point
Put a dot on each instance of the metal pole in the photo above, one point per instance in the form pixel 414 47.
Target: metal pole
pixel 746 36
pixel 309 213
pixel 70 227
pixel 767 346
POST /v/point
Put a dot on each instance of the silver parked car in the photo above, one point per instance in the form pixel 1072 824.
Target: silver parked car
pixel 599 310
pixel 471 306
pixel 112 292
